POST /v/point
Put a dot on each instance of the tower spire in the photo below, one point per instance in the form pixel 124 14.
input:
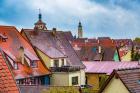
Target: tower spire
pixel 40 25
pixel 39 16
pixel 80 30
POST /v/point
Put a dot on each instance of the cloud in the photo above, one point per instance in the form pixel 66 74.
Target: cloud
pixel 115 18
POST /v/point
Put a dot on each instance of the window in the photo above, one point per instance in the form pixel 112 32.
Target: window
pixel 56 63
pixel 33 64
pixel 100 79
pixel 63 62
pixel 138 81
pixel 15 65
pixel 75 80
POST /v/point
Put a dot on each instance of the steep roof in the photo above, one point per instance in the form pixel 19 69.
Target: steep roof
pixel 68 35
pixel 11 49
pixel 108 53
pixel 57 40
pixel 130 77
pixel 7 82
pixel 87 49
pixel 107 67
pixel 14 42
pixel 122 42
pixel 88 53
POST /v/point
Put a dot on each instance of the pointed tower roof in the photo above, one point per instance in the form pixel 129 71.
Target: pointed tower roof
pixel 40 25
pixel 80 25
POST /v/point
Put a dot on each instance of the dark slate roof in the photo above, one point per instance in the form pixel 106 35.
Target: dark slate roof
pixel 108 53
pixel 68 35
pixel 88 53
pixel 130 78
pixel 46 40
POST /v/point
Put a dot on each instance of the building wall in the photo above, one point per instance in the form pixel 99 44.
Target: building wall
pixel 115 86
pixel 60 79
pixel 116 56
pixel 93 79
pixel 57 77
pixel 65 78
pixel 81 77
pixel 126 57
pixel 47 61
pixel 96 80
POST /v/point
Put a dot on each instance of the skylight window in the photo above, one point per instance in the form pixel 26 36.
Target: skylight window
pixel 138 81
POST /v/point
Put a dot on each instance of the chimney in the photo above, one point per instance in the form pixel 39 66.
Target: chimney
pixel 139 62
pixel 98 41
pixel 3 37
pixel 99 49
pixel 21 54
pixel 54 31
pixel 86 40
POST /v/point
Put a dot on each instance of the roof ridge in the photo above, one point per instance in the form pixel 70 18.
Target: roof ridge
pixel 130 68
pixel 7 26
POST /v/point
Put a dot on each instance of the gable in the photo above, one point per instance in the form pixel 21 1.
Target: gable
pixel 115 86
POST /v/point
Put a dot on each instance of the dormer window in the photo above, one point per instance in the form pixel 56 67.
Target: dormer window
pixel 3 37
pixel 56 63
pixel 63 63
pixel 33 64
pixel 15 65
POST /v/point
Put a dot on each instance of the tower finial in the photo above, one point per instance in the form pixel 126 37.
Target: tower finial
pixel 40 16
pixel 80 25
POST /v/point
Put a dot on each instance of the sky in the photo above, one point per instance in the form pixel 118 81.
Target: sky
pixel 99 18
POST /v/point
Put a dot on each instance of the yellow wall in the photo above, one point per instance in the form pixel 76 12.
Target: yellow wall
pixel 127 57
pixel 62 78
pixel 93 79
pixel 47 61
pixel 115 86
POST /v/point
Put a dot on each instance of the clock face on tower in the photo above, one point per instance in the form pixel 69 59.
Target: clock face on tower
pixel 40 26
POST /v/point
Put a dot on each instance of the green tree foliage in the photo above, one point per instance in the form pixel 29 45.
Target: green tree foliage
pixel 137 39
pixel 60 90
pixel 136 57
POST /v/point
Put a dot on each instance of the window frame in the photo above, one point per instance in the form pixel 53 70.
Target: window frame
pixel 56 63
pixel 75 80
pixel 33 64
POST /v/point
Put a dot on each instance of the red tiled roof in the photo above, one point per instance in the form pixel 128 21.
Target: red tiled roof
pixel 15 41
pixel 7 82
pixel 11 48
pixel 87 49
pixel 122 42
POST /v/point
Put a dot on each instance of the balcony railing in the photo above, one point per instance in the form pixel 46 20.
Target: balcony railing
pixel 65 69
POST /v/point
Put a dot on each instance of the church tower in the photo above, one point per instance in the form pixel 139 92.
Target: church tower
pixel 80 30
pixel 40 25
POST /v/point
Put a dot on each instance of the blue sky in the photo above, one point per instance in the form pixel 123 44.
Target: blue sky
pixel 113 18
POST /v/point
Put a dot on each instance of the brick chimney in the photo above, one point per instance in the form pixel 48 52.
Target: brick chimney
pixel 21 54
